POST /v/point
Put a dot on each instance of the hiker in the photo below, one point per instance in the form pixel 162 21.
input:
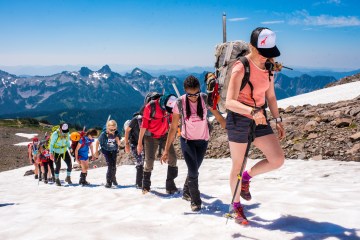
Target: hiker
pixel 45 162
pixel 109 141
pixel 153 133
pixel 131 141
pixel 32 153
pixel 245 108
pixel 59 144
pixel 50 163
pixel 192 109
pixel 82 153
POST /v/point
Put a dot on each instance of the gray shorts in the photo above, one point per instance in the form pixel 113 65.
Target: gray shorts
pixel 238 128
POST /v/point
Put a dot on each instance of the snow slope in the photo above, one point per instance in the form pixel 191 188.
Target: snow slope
pixel 327 95
pixel 291 203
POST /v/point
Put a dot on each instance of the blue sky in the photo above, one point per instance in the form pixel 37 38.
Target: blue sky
pixel 314 34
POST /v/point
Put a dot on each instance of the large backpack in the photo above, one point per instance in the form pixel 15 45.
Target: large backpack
pixel 53 129
pixel 134 130
pixel 151 97
pixel 75 138
pixel 226 55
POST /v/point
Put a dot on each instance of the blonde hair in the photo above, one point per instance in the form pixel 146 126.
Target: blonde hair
pixel 111 123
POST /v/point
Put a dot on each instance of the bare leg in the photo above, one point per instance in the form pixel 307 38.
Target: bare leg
pixel 273 152
pixel 237 151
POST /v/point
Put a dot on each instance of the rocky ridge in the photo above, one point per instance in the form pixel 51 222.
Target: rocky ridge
pixel 324 131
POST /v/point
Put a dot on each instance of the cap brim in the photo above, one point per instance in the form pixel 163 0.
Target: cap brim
pixel 269 52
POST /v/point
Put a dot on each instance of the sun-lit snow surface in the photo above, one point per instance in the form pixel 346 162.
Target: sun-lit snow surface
pixel 302 200
pixel 327 95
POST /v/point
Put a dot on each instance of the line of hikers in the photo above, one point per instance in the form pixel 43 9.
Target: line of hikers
pixel 250 87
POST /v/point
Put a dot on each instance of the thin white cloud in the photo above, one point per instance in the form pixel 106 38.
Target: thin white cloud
pixel 237 19
pixel 304 18
pixel 336 2
pixel 273 22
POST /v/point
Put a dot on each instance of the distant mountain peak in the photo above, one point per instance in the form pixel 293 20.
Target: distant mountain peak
pixel 84 71
pixel 137 71
pixel 105 69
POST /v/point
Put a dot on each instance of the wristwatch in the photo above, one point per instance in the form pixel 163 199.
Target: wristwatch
pixel 278 119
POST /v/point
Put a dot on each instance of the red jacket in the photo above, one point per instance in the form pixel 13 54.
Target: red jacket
pixel 159 125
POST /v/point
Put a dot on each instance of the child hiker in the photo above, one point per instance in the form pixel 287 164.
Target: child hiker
pixel 45 162
pixel 33 148
pixel 109 141
pixel 82 154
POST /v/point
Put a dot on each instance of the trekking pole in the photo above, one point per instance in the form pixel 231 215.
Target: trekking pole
pixel 250 140
pixel 175 88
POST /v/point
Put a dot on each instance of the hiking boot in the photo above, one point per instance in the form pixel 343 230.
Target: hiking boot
pixel 139 176
pixel 170 184
pixel 84 183
pixel 114 182
pixel 186 197
pixel 36 176
pixel 45 181
pixel 195 207
pixel 68 180
pixel 52 179
pixel 186 193
pixel 146 183
pixel 245 192
pixel 58 183
pixel 40 177
pixel 108 184
pixel 239 215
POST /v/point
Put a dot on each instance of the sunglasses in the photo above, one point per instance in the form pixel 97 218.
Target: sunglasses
pixel 193 95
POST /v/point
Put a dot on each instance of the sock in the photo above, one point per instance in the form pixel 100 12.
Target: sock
pixel 68 174
pixel 246 177
pixel 56 175
pixel 236 205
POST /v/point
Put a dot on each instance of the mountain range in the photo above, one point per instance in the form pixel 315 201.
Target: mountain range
pixel 88 97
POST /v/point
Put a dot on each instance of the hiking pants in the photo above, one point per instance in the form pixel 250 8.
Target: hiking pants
pixel 67 160
pixel 193 152
pixel 138 157
pixel 110 158
pixel 48 165
pixel 151 145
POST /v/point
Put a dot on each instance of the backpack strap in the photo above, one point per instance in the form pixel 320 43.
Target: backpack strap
pixel 246 78
pixel 179 103
pixel 152 109
pixel 204 97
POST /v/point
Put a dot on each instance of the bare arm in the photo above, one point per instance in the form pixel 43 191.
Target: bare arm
pixel 140 142
pixel 92 152
pixel 219 117
pixel 117 139
pixel 272 103
pixel 77 152
pixel 171 136
pixel 127 144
